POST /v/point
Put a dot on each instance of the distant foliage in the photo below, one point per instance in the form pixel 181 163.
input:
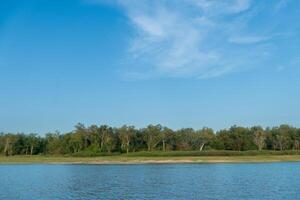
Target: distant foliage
pixel 105 140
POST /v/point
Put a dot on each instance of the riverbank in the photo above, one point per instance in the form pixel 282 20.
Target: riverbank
pixel 146 160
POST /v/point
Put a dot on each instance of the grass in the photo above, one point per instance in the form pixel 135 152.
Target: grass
pixel 210 153
pixel 162 157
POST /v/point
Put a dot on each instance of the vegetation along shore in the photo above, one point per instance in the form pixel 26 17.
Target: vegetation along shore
pixel 157 158
pixel 153 144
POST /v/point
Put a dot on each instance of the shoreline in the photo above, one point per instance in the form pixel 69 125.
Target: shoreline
pixel 147 160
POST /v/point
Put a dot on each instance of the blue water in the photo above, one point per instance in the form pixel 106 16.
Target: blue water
pixel 157 181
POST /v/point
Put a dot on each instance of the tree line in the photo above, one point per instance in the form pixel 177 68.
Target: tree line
pixel 94 140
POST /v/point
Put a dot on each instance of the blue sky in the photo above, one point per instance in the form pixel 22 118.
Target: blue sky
pixel 185 63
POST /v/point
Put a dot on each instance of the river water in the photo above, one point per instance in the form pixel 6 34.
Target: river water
pixel 151 181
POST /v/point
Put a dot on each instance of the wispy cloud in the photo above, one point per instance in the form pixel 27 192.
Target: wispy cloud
pixel 280 4
pixel 248 39
pixel 193 38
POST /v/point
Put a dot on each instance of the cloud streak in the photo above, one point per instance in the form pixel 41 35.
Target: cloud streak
pixel 193 38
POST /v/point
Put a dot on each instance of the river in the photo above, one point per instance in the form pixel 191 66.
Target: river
pixel 151 181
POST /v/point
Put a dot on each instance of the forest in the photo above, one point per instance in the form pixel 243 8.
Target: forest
pixel 105 140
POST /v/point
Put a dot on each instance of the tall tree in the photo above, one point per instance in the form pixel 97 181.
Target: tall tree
pixel 9 140
pixel 33 142
pixel 167 134
pixel 126 134
pixel 259 137
pixel 202 137
pixel 107 140
pixel 153 136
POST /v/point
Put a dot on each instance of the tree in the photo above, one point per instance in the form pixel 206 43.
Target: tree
pixel 95 139
pixel 83 135
pixel 184 139
pixel 224 141
pixel 153 136
pixel 259 138
pixel 242 139
pixel 296 145
pixel 166 134
pixel 33 142
pixel 126 134
pixel 283 137
pixel 106 138
pixel 8 145
pixel 76 142
pixel 281 141
pixel 202 137
pixel 54 143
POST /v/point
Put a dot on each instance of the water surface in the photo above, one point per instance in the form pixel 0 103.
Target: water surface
pixel 151 181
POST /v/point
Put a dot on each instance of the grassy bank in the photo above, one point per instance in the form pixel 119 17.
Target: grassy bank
pixel 187 153
pixel 162 157
pixel 210 153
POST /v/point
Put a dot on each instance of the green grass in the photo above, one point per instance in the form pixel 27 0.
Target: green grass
pixel 185 153
pixel 209 153
pixel 162 157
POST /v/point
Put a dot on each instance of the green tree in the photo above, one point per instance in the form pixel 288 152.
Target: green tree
pixel 126 134
pixel 33 142
pixel 203 137
pixel 259 137
pixel 153 136
pixel 54 143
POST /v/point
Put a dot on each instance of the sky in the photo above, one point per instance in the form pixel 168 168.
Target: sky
pixel 183 63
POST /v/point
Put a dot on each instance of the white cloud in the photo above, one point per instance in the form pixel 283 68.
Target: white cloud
pixel 216 7
pixel 192 38
pixel 280 5
pixel 248 39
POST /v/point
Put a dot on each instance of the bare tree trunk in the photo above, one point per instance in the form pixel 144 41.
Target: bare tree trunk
pixel 127 147
pixel 164 145
pixel 31 150
pixel 101 144
pixel 6 147
pixel 201 147
pixel 85 142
